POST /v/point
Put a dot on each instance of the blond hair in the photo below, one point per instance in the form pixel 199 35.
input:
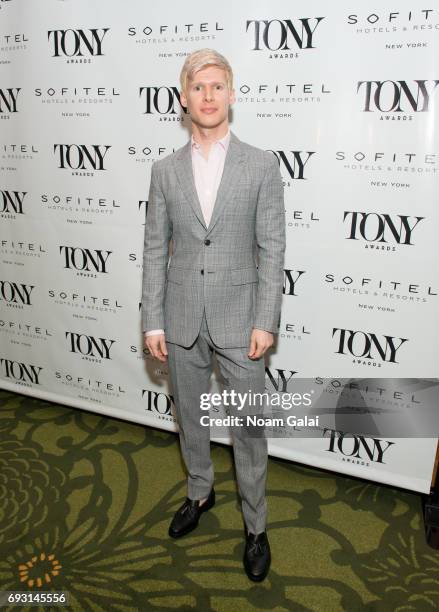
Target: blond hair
pixel 201 59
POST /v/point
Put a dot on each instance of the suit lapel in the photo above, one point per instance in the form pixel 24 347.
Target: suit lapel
pixel 231 173
pixel 229 179
pixel 183 167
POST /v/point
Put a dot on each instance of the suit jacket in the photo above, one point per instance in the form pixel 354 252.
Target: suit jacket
pixel 233 268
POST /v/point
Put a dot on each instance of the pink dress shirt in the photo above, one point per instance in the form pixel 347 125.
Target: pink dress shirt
pixel 208 172
pixel 207 177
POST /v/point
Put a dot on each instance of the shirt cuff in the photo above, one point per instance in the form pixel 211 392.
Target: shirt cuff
pixel 154 332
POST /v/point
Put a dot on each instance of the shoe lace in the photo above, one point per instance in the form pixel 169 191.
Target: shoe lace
pixel 256 548
pixel 187 507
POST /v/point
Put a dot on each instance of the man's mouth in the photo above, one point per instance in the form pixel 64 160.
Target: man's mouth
pixel 208 110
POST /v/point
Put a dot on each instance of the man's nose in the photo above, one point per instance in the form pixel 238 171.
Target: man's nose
pixel 208 94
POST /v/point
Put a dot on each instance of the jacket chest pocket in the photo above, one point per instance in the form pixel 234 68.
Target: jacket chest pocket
pixel 242 276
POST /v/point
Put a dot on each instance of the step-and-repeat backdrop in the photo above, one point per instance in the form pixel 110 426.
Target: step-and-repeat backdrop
pixel 344 95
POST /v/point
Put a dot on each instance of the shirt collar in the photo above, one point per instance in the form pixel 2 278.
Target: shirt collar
pixel 224 142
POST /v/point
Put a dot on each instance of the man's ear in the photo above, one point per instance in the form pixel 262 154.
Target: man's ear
pixel 232 98
pixel 183 99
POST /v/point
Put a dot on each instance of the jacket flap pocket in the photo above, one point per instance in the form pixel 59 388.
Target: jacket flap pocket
pixel 244 275
pixel 175 276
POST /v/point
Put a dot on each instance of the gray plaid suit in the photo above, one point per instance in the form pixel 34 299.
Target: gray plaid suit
pixel 219 283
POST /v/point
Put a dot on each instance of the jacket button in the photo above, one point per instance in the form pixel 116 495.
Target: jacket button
pixel 207 242
pixel 202 271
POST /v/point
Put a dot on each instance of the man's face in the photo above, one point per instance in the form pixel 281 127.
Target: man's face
pixel 208 97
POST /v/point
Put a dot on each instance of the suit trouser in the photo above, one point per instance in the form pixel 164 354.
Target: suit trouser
pixel 190 370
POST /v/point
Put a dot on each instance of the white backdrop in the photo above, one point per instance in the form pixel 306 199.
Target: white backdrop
pixel 345 97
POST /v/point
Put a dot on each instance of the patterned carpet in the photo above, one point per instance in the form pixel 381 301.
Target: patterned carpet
pixel 85 503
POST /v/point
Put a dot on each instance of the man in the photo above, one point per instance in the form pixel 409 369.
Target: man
pixel 221 203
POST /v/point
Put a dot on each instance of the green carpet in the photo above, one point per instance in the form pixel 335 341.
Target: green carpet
pixel 85 504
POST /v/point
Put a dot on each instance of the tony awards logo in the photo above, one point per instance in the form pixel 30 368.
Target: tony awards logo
pixel 283 34
pixel 278 380
pixel 19 372
pixel 368 346
pixel 8 100
pixel 293 162
pixel 88 346
pixel 86 261
pixel 81 157
pixel 380 228
pixel 397 97
pixel 161 100
pixel 158 403
pixel 15 294
pixel 291 278
pixel 11 202
pixel 356 448
pixel 78 44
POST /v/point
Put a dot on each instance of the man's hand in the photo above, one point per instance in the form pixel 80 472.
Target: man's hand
pixel 157 346
pixel 260 341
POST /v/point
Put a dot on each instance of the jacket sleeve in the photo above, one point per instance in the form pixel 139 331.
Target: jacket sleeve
pixel 158 233
pixel 270 239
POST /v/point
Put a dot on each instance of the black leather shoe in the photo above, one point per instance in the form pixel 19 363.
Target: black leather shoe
pixel 257 556
pixel 187 516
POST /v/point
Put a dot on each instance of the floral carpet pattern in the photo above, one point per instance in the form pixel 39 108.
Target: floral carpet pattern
pixel 86 500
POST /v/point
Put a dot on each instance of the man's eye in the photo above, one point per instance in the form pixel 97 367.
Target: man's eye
pixel 219 86
pixel 197 88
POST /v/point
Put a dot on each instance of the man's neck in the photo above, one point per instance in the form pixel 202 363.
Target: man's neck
pixel 205 137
